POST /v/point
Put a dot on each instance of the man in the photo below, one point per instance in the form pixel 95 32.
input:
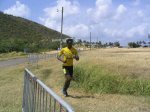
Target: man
pixel 68 53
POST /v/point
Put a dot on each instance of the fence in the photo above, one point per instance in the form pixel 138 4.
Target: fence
pixel 37 97
pixel 33 59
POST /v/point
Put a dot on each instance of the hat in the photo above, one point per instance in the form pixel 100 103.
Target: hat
pixel 69 41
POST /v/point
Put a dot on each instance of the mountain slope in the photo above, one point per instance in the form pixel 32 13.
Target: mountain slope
pixel 17 30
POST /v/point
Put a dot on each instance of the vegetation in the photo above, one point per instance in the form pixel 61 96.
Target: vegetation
pixel 11 88
pixel 138 44
pixel 108 72
pixel 6 56
pixel 98 44
pixel 116 63
pixel 97 80
pixel 133 45
pixel 19 34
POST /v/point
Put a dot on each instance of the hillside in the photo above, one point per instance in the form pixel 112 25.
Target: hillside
pixel 16 31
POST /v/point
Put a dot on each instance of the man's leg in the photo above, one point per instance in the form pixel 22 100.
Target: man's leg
pixel 68 71
pixel 67 82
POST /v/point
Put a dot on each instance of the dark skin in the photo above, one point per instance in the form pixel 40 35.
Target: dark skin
pixel 69 45
pixel 68 77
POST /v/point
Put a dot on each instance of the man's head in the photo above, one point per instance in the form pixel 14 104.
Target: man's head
pixel 69 42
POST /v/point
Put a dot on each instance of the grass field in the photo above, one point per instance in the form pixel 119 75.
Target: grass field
pixel 11 80
pixel 11 55
pixel 129 64
pixel 124 71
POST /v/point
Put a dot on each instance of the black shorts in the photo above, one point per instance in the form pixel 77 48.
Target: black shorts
pixel 68 70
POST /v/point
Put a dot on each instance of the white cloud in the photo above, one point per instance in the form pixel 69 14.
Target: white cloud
pixel 102 10
pixel 121 9
pixel 132 32
pixel 48 22
pixel 120 12
pixel 18 9
pixel 52 15
pixel 79 30
pixel 136 2
pixel 69 7
pixel 103 2
pixel 105 19
pixel 115 33
pixel 121 23
pixel 140 13
pixel 124 33
pixel 139 30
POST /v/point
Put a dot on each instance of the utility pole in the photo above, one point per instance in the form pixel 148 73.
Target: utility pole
pixel 62 11
pixel 97 41
pixel 149 38
pixel 90 40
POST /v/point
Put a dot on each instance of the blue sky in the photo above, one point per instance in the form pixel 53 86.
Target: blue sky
pixel 107 20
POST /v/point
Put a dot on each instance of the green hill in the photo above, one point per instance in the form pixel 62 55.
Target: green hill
pixel 17 33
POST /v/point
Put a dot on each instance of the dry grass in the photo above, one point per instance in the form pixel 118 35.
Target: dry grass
pixel 11 89
pixel 12 55
pixel 120 61
pixel 130 62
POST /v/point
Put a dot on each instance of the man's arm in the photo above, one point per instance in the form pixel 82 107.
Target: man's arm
pixel 59 57
pixel 76 56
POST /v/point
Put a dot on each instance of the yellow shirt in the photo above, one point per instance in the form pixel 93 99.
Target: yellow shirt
pixel 68 55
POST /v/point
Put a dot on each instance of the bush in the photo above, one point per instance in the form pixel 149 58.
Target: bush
pixel 97 80
pixel 133 45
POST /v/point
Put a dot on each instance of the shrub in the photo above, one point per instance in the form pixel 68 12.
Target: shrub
pixel 96 80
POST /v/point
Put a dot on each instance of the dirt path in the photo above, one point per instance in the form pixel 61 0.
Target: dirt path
pixel 12 62
pixel 17 61
pixel 82 101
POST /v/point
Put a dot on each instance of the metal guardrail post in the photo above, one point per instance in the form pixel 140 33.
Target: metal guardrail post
pixel 37 97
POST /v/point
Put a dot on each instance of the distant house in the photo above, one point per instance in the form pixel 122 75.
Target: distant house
pixel 123 47
pixel 58 40
pixel 145 45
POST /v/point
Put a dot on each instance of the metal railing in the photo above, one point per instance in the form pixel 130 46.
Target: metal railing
pixel 34 58
pixel 37 97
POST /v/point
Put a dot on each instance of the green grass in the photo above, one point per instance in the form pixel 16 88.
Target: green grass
pixel 11 87
pixel 93 77
pixel 97 79
pixel 11 55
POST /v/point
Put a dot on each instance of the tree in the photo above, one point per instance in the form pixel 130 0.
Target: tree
pixel 133 45
pixel 99 44
pixel 111 44
pixel 144 42
pixel 116 44
pixel 79 41
pixel 54 45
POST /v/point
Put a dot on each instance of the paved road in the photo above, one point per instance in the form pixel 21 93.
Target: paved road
pixel 33 58
pixel 12 62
